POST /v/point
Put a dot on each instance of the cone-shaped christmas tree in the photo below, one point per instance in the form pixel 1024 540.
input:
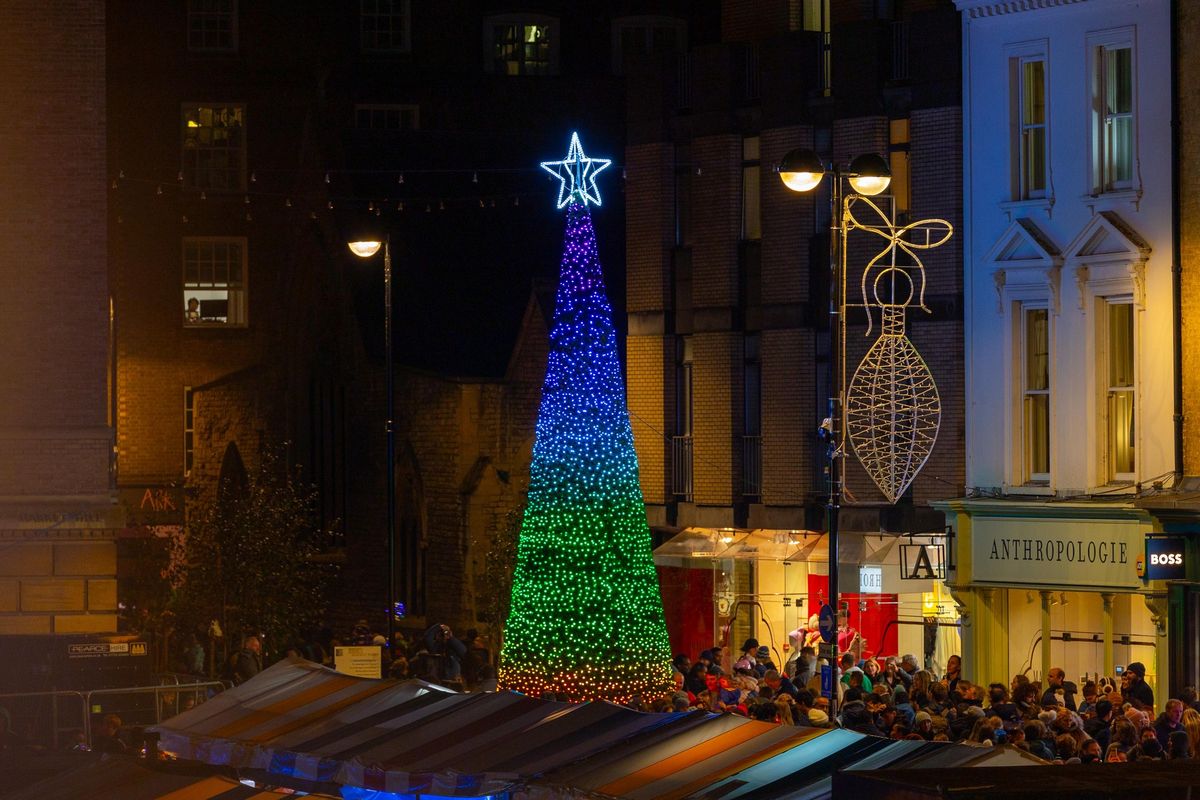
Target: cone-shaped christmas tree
pixel 587 618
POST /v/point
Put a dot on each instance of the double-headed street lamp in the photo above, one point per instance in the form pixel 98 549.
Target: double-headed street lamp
pixel 801 171
pixel 367 248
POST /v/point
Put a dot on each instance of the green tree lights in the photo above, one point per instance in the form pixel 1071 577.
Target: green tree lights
pixel 587 619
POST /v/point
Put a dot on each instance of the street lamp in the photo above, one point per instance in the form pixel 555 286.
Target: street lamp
pixel 801 171
pixel 366 248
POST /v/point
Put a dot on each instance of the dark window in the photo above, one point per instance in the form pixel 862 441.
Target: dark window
pixel 385 26
pixel 212 26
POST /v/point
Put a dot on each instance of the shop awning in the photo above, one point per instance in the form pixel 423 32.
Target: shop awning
pixel 123 778
pixel 752 545
pixel 303 722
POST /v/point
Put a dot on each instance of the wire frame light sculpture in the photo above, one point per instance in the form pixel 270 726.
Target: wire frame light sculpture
pixel 892 407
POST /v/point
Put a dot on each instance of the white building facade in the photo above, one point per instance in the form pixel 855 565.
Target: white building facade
pixel 1069 371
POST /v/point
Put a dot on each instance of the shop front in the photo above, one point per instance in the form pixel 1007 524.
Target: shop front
pixel 1056 584
pixel 725 585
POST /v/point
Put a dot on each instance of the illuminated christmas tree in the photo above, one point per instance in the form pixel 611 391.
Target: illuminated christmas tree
pixel 587 618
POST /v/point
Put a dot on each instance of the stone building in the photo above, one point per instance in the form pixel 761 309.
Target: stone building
pixel 58 515
pixel 1069 282
pixel 728 306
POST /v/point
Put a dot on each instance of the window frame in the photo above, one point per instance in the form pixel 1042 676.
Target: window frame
pixel 191 171
pixel 405 45
pixel 899 160
pixel 193 14
pixel 490 23
pixel 1028 476
pixel 751 227
pixel 194 286
pixel 648 23
pixel 1106 389
pixel 1099 44
pixel 1022 188
pixel 401 108
pixel 189 430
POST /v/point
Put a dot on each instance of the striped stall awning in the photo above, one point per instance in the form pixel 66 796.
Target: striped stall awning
pixel 305 722
pixel 123 778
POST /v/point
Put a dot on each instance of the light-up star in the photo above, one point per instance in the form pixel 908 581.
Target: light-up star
pixel 581 171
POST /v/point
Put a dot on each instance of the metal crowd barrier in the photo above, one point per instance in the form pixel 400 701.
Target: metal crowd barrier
pixel 137 706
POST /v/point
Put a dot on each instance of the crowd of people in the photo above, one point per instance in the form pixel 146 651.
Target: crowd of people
pixel 1059 721
pixel 459 662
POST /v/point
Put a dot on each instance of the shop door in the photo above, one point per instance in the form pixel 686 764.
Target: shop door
pixel 1183 640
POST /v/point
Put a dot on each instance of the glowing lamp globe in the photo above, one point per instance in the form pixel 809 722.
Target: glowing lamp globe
pixel 364 249
pixel 870 174
pixel 801 170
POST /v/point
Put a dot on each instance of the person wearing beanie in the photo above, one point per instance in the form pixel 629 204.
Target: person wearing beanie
pixel 923 725
pixel 1134 687
pixel 818 718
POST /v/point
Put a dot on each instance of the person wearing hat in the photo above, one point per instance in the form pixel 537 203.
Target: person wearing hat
pixel 1134 687
pixel 762 660
pixel 923 725
pixel 747 660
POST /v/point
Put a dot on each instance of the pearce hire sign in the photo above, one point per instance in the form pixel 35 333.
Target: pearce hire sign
pixel 1100 554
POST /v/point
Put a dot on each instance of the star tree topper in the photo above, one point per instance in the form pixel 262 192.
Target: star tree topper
pixel 580 171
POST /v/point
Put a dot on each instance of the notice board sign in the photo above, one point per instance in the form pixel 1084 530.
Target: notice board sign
pixel 364 661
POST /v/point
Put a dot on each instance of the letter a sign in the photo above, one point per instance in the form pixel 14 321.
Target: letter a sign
pixel 922 562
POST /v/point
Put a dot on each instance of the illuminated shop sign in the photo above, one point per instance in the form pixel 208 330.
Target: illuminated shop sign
pixel 1166 558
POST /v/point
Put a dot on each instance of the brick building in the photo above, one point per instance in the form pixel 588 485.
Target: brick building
pixel 248 141
pixel 727 299
pixel 58 516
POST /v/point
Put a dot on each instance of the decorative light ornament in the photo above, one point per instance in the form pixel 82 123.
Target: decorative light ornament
pixel 893 411
pixel 580 171
pixel 587 618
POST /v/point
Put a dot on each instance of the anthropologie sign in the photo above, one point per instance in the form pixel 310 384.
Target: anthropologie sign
pixel 1049 552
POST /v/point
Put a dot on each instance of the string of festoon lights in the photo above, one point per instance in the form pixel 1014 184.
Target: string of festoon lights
pixel 586 619
pixel 326 193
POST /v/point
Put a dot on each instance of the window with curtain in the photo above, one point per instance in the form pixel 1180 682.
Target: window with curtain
pixel 1035 401
pixel 1112 118
pixel 1121 391
pixel 1031 128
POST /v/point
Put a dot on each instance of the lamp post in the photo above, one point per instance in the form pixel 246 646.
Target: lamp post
pixel 366 249
pixel 801 171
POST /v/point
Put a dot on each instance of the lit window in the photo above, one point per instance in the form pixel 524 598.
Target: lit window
pixel 813 16
pixel 214 147
pixel 214 282
pixel 523 46
pixel 635 38
pixel 1120 390
pixel 1035 400
pixel 1031 128
pixel 212 26
pixel 189 426
pixel 1112 118
pixel 385 26
pixel 751 196
pixel 898 147
pixel 387 117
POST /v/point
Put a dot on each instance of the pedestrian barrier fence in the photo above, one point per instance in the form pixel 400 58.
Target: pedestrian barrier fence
pixel 66 718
